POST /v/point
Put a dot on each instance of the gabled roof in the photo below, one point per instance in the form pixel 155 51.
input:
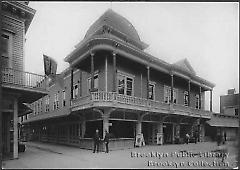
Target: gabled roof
pixel 185 65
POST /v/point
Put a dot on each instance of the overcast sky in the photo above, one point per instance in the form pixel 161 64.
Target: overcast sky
pixel 204 33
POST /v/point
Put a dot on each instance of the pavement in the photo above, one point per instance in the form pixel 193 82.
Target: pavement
pixel 188 156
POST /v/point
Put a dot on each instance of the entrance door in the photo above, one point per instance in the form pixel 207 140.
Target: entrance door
pixel 167 133
pixel 147 132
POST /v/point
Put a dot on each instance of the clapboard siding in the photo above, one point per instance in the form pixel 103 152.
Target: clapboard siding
pixel 17 27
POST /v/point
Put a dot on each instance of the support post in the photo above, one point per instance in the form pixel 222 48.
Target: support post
pixel 114 72
pixel 160 133
pixel 92 70
pixel 210 100
pixel 189 92
pixel 148 78
pixel 106 74
pixel 200 96
pixel 15 129
pixel 171 88
pixel 71 83
pixel 83 128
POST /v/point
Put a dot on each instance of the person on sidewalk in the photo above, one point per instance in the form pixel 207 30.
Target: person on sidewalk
pixel 187 138
pixel 106 140
pixel 195 137
pixel 96 140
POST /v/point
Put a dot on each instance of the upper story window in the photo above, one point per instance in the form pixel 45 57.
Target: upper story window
pixel 151 91
pixel 64 98
pixel 56 101
pixel 6 49
pixel 95 83
pixel 236 112
pixel 125 85
pixel 186 95
pixel 197 101
pixel 75 91
pixel 47 103
pixel 167 95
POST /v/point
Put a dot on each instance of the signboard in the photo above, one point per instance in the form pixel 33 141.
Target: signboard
pixel 159 138
pixel 139 140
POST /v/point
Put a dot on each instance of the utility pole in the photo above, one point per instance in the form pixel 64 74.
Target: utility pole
pixel 1 86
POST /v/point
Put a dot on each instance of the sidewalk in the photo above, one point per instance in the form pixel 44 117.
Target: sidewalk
pixel 46 155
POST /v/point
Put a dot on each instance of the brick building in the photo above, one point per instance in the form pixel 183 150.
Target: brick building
pixel 113 84
pixel 18 87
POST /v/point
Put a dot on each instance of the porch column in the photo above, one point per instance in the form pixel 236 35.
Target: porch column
pixel 201 133
pixel 200 102
pixel 177 133
pixel 71 83
pixel 105 116
pixel 139 126
pixel 189 91
pixel 15 129
pixel 148 78
pixel 160 133
pixel 210 100
pixel 173 133
pixel 92 70
pixel 83 128
pixel 114 72
pixel 171 88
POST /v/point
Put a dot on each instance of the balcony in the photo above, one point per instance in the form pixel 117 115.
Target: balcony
pixel 112 99
pixel 28 85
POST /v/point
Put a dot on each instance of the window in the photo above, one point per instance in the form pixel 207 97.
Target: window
pixel 167 95
pixel 6 49
pixel 236 112
pixel 197 101
pixel 186 98
pixel 56 101
pixel 151 91
pixel 125 85
pixel 95 83
pixel 64 98
pixel 75 91
pixel 47 103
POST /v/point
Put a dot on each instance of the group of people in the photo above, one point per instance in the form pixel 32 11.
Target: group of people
pixel 195 136
pixel 97 140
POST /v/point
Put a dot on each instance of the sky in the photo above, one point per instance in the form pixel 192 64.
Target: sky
pixel 207 34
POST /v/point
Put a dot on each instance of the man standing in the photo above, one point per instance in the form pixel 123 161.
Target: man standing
pixel 96 140
pixel 106 140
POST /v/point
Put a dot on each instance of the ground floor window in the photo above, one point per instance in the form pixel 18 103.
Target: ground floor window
pixel 91 127
pixel 122 129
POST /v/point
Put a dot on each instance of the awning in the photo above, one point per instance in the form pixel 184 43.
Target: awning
pixel 223 122
pixel 23 109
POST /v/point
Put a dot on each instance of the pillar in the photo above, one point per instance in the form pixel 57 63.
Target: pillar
pixel 138 127
pixel 106 74
pixel 177 133
pixel 8 133
pixel 83 128
pixel 71 83
pixel 92 70
pixel 148 78
pixel 202 133
pixel 105 123
pixel 173 133
pixel 114 72
pixel 171 88
pixel 200 94
pixel 160 133
pixel 189 91
pixel 210 100
pixel 15 129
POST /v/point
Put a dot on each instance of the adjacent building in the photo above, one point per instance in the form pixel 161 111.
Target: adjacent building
pixel 227 120
pixel 113 84
pixel 19 88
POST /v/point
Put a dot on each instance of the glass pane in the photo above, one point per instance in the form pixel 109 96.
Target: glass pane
pixel 96 82
pixel 129 92
pixel 121 84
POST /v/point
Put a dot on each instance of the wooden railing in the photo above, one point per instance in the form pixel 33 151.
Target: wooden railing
pixel 135 101
pixel 23 79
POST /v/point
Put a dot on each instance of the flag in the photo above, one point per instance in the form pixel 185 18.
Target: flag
pixel 50 66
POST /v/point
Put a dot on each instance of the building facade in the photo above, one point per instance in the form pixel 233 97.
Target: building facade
pixel 18 87
pixel 113 85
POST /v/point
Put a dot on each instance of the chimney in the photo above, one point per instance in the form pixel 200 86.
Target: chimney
pixel 231 91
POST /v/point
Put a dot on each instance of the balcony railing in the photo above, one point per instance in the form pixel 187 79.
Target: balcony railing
pixel 136 101
pixel 23 79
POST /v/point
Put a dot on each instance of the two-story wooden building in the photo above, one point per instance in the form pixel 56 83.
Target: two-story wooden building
pixel 18 87
pixel 113 84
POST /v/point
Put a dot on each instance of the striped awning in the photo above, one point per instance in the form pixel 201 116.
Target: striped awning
pixel 223 122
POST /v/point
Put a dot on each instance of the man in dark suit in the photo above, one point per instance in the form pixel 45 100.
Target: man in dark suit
pixel 106 140
pixel 96 140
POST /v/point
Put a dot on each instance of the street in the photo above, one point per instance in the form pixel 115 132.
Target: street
pixel 201 155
